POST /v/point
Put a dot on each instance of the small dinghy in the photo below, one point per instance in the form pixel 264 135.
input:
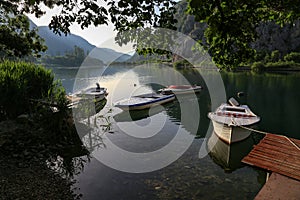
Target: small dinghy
pixel 228 120
pixel 93 92
pixel 144 101
pixel 180 89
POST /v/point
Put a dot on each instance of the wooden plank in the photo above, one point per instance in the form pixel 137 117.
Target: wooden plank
pixel 259 158
pixel 276 153
pixel 272 148
pixel 284 157
pixel 274 136
pixel 295 141
pixel 271 166
pixel 282 139
pixel 284 143
pixel 279 187
pixel 284 146
pixel 278 162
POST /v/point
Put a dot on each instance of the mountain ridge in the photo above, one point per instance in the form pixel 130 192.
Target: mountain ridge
pixel 61 44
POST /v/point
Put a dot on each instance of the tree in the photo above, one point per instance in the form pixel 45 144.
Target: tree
pixel 16 38
pixel 232 24
pixel 124 14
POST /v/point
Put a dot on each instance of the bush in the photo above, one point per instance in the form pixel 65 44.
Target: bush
pixel 260 56
pixel 257 67
pixel 180 64
pixel 275 56
pixel 293 56
pixel 280 64
pixel 20 82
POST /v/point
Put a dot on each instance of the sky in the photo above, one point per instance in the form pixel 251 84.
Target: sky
pixel 94 35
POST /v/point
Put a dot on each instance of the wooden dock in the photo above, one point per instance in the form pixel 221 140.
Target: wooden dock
pixel 281 156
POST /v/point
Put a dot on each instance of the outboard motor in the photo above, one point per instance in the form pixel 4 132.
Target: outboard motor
pixel 240 94
pixel 232 101
pixel 98 87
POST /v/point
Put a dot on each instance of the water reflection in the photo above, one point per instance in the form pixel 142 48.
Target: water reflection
pixel 89 124
pixel 274 96
pixel 188 177
pixel 228 156
pixel 136 115
pixel 87 108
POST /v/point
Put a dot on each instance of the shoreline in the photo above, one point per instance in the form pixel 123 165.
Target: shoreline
pixel 25 172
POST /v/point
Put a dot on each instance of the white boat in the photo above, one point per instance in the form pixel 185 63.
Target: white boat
pixel 144 101
pixel 97 92
pixel 229 119
pixel 180 89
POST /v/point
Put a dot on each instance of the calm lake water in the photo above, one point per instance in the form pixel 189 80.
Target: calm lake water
pixel 194 175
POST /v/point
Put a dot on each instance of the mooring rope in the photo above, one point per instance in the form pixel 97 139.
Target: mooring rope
pixel 265 133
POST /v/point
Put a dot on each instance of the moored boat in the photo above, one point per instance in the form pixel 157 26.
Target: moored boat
pixel 97 92
pixel 230 119
pixel 144 101
pixel 180 89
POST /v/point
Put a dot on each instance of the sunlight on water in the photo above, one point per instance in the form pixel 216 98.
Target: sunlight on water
pixel 188 177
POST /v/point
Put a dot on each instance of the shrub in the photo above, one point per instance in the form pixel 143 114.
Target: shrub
pixel 257 67
pixel 260 56
pixel 180 64
pixel 20 82
pixel 275 56
pixel 280 64
pixel 293 56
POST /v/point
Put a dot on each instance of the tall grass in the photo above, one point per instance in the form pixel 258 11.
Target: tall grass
pixel 20 82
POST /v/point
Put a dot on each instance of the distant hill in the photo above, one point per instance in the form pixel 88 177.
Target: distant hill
pixel 108 55
pixel 59 45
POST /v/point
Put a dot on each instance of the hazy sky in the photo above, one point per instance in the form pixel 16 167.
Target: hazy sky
pixel 94 35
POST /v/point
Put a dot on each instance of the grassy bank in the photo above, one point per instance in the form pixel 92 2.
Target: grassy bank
pixel 40 150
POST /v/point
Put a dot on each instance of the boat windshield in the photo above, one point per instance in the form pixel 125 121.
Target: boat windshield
pixel 231 109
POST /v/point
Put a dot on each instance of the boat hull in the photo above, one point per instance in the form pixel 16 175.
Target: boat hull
pixel 92 92
pixel 230 134
pixel 146 105
pixel 181 90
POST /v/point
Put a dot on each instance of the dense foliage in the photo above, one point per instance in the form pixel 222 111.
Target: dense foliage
pixel 73 58
pixel 16 38
pixel 125 15
pixel 232 25
pixel 21 82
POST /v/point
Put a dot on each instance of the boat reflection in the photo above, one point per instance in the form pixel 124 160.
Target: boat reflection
pixel 135 115
pixel 228 156
pixel 88 107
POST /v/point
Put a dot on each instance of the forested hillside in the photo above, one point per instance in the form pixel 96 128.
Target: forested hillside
pixel 273 42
